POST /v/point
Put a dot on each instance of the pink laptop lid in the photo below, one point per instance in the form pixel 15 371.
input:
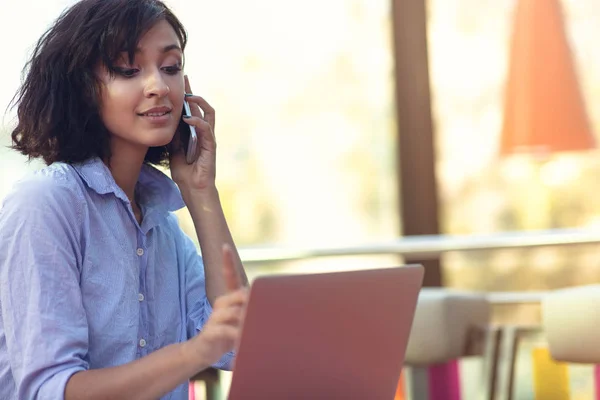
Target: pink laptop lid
pixel 332 336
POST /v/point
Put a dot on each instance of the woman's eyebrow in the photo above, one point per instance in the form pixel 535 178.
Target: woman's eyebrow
pixel 171 47
pixel 165 49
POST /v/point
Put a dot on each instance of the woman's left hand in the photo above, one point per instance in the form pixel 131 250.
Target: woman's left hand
pixel 199 175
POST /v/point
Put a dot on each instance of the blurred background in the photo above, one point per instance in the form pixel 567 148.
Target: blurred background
pixel 335 117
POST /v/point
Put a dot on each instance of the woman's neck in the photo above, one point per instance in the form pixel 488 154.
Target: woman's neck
pixel 125 167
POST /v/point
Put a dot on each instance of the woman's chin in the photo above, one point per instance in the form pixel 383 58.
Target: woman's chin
pixel 145 138
pixel 160 141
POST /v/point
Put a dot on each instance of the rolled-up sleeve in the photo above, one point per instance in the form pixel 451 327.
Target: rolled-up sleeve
pixel 197 304
pixel 43 318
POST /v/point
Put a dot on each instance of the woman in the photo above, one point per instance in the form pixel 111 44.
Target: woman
pixel 101 293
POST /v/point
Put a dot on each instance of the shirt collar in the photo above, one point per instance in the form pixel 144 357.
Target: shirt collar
pixel 156 191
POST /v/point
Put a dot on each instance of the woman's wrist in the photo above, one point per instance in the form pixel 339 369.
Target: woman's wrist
pixel 193 357
pixel 202 201
pixel 206 195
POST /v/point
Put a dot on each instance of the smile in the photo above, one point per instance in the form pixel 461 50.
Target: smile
pixel 157 118
pixel 156 114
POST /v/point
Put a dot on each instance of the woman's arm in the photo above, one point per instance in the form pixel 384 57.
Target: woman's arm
pixel 213 232
pixel 149 377
pixel 197 185
pixel 162 371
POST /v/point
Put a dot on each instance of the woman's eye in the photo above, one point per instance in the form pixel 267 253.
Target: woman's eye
pixel 126 72
pixel 172 70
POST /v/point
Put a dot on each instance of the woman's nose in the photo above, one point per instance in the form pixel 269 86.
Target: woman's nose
pixel 155 85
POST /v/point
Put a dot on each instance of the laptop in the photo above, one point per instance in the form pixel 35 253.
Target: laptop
pixel 340 335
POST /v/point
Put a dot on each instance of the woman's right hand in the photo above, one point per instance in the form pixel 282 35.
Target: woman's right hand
pixel 222 332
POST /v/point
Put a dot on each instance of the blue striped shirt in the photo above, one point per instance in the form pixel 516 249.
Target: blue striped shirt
pixel 84 286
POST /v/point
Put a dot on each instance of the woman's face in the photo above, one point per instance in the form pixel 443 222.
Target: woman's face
pixel 141 105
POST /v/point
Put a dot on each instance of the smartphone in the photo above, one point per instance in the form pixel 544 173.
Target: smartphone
pixel 191 146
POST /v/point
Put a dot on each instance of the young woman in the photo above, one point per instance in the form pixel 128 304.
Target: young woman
pixel 102 296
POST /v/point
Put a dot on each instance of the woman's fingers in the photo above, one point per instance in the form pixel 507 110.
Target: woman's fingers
pixel 202 128
pixel 233 299
pixel 230 316
pixel 208 112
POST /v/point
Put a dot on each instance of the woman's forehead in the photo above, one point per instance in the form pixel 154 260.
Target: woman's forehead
pixel 161 36
pixel 160 39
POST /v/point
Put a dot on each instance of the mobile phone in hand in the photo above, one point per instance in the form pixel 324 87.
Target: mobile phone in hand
pixel 191 147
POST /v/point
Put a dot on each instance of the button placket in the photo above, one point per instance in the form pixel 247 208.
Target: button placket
pixel 142 259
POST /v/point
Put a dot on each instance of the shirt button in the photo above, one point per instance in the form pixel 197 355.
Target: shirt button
pixel 140 252
pixel 142 343
pixel 140 297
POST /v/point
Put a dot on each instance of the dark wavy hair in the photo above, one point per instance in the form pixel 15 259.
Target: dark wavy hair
pixel 58 103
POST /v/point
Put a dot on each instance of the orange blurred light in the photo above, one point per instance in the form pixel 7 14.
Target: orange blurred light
pixel 544 110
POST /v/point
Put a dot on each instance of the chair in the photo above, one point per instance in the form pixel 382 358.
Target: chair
pixel 449 325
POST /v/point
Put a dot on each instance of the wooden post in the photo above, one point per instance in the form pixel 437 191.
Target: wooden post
pixel 416 151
